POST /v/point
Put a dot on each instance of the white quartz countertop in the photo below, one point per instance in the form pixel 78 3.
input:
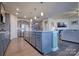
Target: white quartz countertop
pixel 43 31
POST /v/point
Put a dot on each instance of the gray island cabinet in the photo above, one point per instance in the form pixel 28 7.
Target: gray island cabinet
pixel 42 41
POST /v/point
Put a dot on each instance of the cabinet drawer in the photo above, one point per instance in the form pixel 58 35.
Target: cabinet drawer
pixel 38 37
pixel 33 33
pixel 39 43
pixel 38 34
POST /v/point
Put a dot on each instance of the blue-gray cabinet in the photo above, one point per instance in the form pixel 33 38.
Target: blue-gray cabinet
pixel 32 40
pixel 39 41
pixel 43 42
pixel 1 48
pixel 5 35
pixel 2 44
pixel 4 40
pixel 27 35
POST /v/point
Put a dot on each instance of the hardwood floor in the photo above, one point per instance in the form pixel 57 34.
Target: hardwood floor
pixel 19 47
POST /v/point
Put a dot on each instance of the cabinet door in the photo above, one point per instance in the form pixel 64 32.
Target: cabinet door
pixel 38 41
pixel 5 43
pixel 1 44
pixel 46 42
pixel 26 36
pixel 1 48
pixel 33 39
pixel 5 40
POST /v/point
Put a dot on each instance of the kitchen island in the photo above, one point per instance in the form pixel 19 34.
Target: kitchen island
pixel 43 41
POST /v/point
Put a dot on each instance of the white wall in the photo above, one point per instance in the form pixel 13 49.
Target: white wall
pixel 67 21
pixel 73 26
pixel 13 26
pixel 54 25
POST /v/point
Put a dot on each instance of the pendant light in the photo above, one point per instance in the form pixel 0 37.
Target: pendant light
pixel 42 13
pixel 35 17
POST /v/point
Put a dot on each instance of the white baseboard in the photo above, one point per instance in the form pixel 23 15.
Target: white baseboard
pixel 55 49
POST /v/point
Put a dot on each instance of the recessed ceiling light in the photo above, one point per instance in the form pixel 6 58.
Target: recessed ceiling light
pixel 78 14
pixel 42 13
pixel 35 17
pixel 17 9
pixel 17 13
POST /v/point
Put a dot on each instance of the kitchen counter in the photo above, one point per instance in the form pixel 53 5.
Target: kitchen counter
pixel 43 31
pixel 44 41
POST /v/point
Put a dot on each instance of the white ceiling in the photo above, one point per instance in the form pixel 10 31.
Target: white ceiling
pixel 50 9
